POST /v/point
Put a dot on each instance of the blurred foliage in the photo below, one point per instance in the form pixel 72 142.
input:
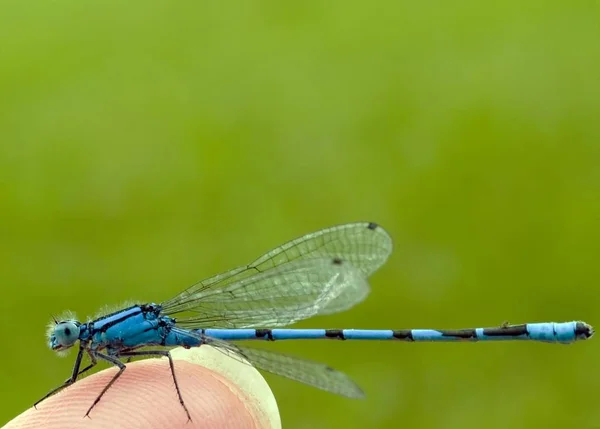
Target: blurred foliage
pixel 145 145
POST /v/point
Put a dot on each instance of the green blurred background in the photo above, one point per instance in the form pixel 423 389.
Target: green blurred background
pixel 147 144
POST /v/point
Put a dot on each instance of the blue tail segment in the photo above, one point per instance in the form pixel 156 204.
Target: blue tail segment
pixel 549 332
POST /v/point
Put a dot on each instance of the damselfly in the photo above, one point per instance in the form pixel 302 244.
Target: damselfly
pixel 320 273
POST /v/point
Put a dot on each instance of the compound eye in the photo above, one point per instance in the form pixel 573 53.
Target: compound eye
pixel 66 333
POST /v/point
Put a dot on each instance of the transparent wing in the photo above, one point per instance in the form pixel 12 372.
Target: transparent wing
pixel 365 245
pixel 312 373
pixel 277 297
pixel 227 299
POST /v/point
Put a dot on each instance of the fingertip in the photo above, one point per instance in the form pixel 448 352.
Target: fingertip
pixel 218 391
pixel 244 381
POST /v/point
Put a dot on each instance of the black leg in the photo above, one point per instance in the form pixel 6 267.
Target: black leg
pixel 115 362
pixel 168 355
pixel 91 365
pixel 76 373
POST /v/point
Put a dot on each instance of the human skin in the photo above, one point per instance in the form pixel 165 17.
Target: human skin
pixel 218 391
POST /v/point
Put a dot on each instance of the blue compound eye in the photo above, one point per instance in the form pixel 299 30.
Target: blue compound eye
pixel 66 333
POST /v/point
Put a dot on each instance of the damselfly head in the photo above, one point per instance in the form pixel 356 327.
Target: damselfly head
pixel 63 333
